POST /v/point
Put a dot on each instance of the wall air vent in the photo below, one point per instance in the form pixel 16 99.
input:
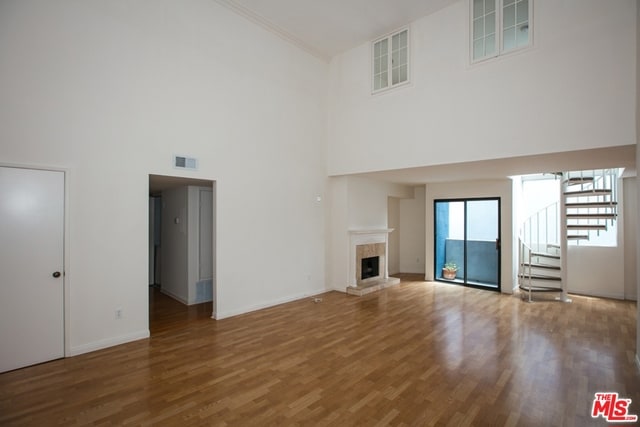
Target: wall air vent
pixel 182 162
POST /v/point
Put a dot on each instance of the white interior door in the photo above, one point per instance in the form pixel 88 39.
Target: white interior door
pixel 31 266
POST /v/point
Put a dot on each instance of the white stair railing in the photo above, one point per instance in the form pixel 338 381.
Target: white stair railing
pixel 591 202
pixel 542 228
pixel 587 206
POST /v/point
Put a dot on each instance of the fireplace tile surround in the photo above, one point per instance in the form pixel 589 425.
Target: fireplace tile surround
pixel 366 244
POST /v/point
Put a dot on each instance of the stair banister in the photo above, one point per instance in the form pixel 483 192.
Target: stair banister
pixel 526 267
pixel 564 242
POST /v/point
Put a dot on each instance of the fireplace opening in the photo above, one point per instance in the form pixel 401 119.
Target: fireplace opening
pixel 370 267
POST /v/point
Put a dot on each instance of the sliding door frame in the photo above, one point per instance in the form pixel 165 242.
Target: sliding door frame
pixel 498 288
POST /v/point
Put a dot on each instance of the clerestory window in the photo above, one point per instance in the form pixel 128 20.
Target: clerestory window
pixel 391 60
pixel 499 27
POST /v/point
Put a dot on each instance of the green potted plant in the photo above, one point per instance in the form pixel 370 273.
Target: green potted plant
pixel 449 270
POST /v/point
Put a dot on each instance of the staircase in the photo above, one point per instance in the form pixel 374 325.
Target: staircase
pixel 586 207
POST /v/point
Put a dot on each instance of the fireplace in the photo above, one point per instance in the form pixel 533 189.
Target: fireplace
pixel 370 267
pixel 365 253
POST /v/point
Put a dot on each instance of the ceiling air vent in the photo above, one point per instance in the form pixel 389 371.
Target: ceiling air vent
pixel 182 162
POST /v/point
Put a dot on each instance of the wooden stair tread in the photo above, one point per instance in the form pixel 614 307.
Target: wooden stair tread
pixel 591 216
pixel 540 277
pixel 586 227
pixel 579 180
pixel 599 192
pixel 572 205
pixel 544 266
pixel 540 289
pixel 544 254
pixel 578 237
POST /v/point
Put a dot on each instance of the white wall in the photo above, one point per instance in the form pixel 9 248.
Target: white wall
pixel 630 208
pixel 393 221
pixel 187 246
pixel 110 90
pixel 337 223
pixel 367 201
pixel 357 203
pixel 603 270
pixel 174 261
pixel 596 271
pixel 200 245
pixel 205 273
pixel 475 189
pixel 412 232
pixel 551 98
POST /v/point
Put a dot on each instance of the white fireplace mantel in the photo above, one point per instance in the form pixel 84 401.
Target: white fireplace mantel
pixel 365 237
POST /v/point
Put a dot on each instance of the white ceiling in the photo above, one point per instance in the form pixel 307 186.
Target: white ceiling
pixel 329 27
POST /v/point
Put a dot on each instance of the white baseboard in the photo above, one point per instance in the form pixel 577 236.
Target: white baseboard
pixel 174 296
pixel 612 295
pixel 237 312
pixel 338 288
pixel 108 342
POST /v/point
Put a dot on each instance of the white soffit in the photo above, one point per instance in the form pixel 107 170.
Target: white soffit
pixel 598 158
pixel 326 28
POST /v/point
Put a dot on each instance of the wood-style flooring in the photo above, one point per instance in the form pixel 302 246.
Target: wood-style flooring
pixel 411 355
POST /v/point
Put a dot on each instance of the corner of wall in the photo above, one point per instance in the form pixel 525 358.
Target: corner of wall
pixel 637 186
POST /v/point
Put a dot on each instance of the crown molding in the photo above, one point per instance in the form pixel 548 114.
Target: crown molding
pixel 272 28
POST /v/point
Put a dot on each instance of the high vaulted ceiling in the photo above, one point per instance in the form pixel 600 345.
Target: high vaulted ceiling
pixel 329 27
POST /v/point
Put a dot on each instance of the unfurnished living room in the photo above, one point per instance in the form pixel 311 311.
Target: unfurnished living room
pixel 365 212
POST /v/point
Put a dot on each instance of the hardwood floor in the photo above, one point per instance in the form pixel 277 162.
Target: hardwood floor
pixel 415 354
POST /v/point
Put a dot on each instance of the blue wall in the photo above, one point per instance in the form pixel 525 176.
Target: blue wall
pixel 482 260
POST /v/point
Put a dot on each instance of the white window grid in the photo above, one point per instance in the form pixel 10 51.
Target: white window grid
pixel 498 27
pixel 390 60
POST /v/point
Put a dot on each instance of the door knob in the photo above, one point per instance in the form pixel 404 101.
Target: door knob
pixel 56 274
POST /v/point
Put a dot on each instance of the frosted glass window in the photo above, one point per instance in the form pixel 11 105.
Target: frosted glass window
pixel 391 60
pixel 515 24
pixel 484 28
pixel 380 59
pixel 499 26
pixel 399 57
pixel 509 39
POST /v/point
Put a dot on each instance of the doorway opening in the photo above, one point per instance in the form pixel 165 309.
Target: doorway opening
pixel 182 273
pixel 467 242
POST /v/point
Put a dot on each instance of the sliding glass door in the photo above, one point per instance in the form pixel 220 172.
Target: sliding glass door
pixel 467 242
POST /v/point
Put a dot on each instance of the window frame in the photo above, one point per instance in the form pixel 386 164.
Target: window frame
pixel 499 33
pixel 389 67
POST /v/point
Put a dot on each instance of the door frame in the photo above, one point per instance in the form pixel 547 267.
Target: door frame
pixel 498 288
pixel 65 246
pixel 195 181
